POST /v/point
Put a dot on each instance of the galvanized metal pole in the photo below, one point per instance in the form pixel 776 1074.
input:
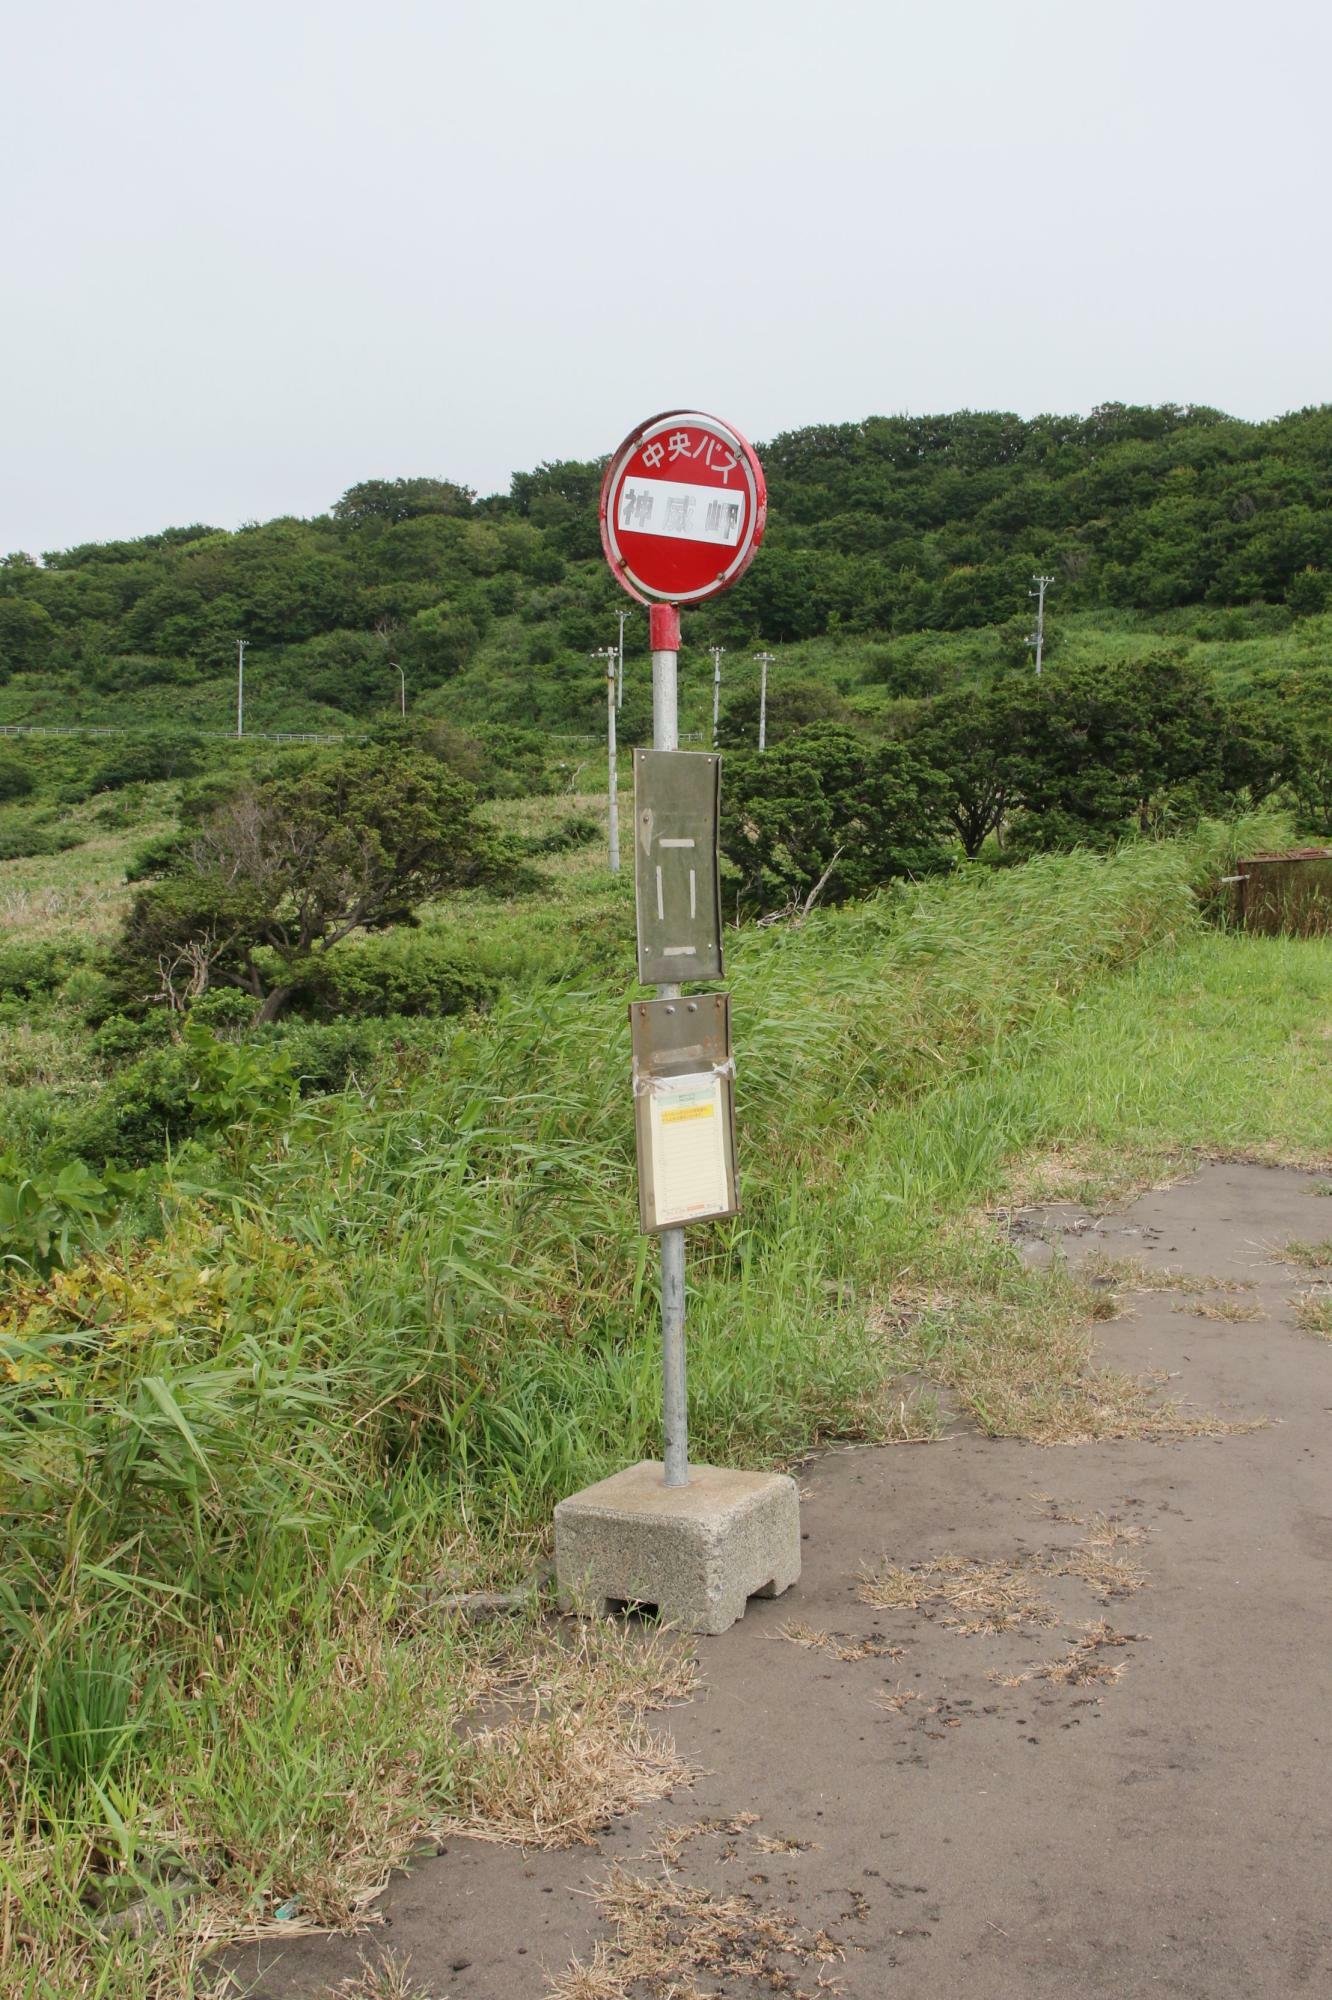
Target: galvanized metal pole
pixel 607 653
pixel 717 652
pixel 402 678
pixel 665 640
pixel 765 660
pixel 614 815
pixel 619 685
pixel 240 686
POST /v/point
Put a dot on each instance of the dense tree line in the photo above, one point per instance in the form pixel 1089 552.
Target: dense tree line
pixel 893 525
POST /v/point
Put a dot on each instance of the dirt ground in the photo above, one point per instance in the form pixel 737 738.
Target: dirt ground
pixel 1142 1807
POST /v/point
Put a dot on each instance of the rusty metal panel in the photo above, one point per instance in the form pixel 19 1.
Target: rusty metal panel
pixel 684 1110
pixel 677 797
pixel 1288 893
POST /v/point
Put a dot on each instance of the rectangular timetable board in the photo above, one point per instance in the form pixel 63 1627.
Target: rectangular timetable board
pixel 684 1110
pixel 677 889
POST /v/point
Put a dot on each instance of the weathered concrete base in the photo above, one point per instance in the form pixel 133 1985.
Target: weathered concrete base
pixel 697 1552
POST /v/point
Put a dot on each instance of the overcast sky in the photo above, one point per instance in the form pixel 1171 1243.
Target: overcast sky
pixel 259 251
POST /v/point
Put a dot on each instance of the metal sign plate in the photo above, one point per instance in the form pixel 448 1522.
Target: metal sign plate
pixel 684 1110
pixel 677 888
pixel 683 508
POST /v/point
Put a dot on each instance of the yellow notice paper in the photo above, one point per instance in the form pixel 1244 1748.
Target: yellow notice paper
pixel 687 1121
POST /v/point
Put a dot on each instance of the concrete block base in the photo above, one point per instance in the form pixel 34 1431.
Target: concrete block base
pixel 697 1552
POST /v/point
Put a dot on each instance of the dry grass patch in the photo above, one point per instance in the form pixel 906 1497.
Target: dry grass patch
pixel 669 1846
pixel 1313 1312
pixel 1017 1353
pixel 1131 1275
pixel 979 1597
pixel 666 1936
pixel 840 1644
pixel 1087 1409
pixel 387 1978
pixel 1081 1665
pixel 553 1776
pixel 987 1597
pixel 1308 1256
pixel 1234 1310
pixel 900 1698
pixel 1089 1175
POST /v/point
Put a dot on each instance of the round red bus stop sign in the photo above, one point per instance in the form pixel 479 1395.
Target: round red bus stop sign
pixel 683 507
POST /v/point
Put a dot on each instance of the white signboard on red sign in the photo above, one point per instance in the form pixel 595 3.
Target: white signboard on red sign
pixel 683 508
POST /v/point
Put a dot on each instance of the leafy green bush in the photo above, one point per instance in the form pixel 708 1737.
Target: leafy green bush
pixel 146 759
pixel 576 831
pixel 145 1106
pixel 29 969
pixel 23 836
pixel 48 1218
pixel 16 780
pixel 326 1055
pixel 197 1085
pixel 827 812
pixel 120 1038
pixel 156 857
pixel 224 1009
pixel 400 971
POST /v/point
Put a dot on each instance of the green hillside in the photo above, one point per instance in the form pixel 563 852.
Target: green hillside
pixel 898 558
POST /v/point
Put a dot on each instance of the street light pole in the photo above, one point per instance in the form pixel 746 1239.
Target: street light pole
pixel 765 660
pixel 1037 638
pixel 240 686
pixel 609 655
pixel 717 652
pixel 402 679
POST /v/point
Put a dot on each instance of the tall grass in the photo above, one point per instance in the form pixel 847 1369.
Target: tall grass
pixel 356 1367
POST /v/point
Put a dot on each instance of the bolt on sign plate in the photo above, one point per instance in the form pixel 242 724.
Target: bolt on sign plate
pixel 683 508
pixel 684 1110
pixel 677 889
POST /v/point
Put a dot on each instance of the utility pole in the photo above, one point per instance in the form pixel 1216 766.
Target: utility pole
pixel 619 683
pixel 717 652
pixel 402 686
pixel 610 655
pixel 240 686
pixel 765 660
pixel 1037 638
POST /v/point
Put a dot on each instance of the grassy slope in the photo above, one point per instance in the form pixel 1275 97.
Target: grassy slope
pixel 498 686
pixel 344 1384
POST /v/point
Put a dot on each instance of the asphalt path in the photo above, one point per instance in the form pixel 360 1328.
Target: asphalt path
pixel 947 1818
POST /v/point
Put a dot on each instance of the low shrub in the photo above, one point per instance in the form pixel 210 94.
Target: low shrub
pixel 195 1085
pixel 400 971
pixel 155 857
pixel 146 759
pixel 577 831
pixel 326 1055
pixel 29 969
pixel 145 1106
pixel 16 780
pixel 22 838
pixel 120 1038
pixel 224 1009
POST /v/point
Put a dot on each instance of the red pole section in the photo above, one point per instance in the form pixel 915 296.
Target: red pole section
pixel 664 627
